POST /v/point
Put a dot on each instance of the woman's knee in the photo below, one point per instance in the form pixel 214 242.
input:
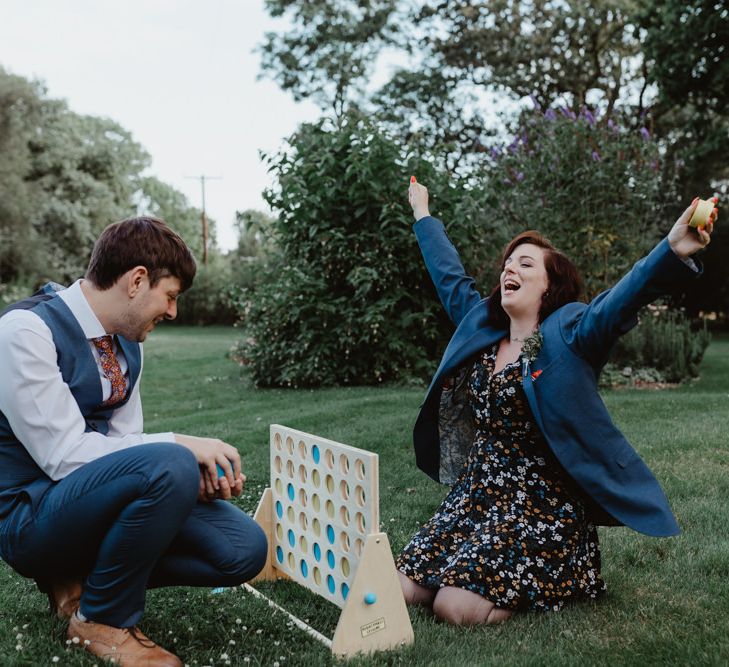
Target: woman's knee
pixel 414 593
pixel 461 607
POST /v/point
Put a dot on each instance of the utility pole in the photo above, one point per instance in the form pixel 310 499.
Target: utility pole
pixel 203 218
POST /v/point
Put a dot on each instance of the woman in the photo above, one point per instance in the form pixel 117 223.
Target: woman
pixel 514 418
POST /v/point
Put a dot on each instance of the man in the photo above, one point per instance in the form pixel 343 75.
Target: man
pixel 92 508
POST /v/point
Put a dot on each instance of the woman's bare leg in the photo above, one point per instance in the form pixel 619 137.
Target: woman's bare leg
pixel 461 607
pixel 415 593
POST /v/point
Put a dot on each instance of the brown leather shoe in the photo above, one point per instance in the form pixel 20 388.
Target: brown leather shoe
pixel 64 597
pixel 127 647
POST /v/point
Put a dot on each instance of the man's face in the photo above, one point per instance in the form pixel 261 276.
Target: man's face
pixel 150 306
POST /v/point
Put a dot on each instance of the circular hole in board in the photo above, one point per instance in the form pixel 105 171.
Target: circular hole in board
pixel 359 469
pixel 302 449
pixel 279 509
pixel 330 483
pixel 317 576
pixel 316 526
pixel 304 544
pixel 359 496
pixel 344 464
pixel 290 469
pixel 302 497
pixel 279 531
pixel 277 464
pixel 330 509
pixel 302 474
pixel 315 502
pixel 292 561
pixel 329 459
pixel 361 523
pixel 317 551
pixel 290 445
pixel 279 554
pixel 344 542
pixel 344 516
pixel 358 545
pixel 277 441
pixel 330 584
pixel 316 478
pixel 279 486
pixel 345 567
pixel 331 560
pixel 303 521
pixel 290 514
pixel 344 490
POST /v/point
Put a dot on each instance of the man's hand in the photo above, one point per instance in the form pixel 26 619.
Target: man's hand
pixel 210 453
pixel 685 240
pixel 207 492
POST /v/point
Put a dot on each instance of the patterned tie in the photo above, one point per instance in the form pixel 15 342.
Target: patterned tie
pixel 111 368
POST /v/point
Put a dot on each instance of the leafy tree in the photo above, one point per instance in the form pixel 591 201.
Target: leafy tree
pixel 63 178
pixel 330 48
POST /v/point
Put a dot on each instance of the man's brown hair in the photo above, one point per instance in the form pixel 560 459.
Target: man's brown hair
pixel 144 241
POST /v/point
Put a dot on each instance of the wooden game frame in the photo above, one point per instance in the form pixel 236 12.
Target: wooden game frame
pixel 374 615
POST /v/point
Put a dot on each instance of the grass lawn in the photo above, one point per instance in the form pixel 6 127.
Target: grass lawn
pixel 667 602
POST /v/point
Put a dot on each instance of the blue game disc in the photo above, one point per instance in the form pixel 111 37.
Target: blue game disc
pixel 317 551
pixel 330 559
pixel 330 534
pixel 279 509
pixel 292 538
pixel 345 591
pixel 330 583
pixel 315 453
pixel 304 568
pixel 279 554
pixel 290 490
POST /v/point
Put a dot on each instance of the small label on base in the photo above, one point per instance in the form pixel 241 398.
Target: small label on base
pixel 373 626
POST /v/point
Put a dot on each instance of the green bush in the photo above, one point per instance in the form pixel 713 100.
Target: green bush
pixel 665 347
pixel 346 300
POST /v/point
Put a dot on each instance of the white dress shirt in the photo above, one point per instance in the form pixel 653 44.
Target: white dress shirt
pixel 38 404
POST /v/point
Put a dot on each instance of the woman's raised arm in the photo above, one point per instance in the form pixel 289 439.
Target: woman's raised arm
pixel 456 289
pixel 667 267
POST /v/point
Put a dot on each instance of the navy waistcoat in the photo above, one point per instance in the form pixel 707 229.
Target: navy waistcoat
pixel 20 476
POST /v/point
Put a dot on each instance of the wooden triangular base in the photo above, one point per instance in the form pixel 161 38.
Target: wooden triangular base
pixel 374 617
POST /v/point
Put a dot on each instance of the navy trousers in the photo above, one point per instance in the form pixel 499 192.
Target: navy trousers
pixel 131 521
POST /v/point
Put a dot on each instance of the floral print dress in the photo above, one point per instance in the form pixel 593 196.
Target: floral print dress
pixel 511 528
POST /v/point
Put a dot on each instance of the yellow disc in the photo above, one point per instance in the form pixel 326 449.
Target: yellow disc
pixel 703 210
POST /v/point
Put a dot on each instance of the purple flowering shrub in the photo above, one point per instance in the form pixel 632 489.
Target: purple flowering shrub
pixel 596 189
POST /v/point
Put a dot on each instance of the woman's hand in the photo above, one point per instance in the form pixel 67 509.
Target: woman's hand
pixel 685 240
pixel 418 198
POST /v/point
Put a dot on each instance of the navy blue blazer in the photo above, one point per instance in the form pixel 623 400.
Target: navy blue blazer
pixel 615 483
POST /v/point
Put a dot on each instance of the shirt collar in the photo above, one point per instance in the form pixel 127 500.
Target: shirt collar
pixel 76 301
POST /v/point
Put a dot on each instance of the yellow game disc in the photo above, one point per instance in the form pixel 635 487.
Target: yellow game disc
pixel 700 218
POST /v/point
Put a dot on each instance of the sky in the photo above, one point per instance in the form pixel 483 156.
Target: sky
pixel 180 75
